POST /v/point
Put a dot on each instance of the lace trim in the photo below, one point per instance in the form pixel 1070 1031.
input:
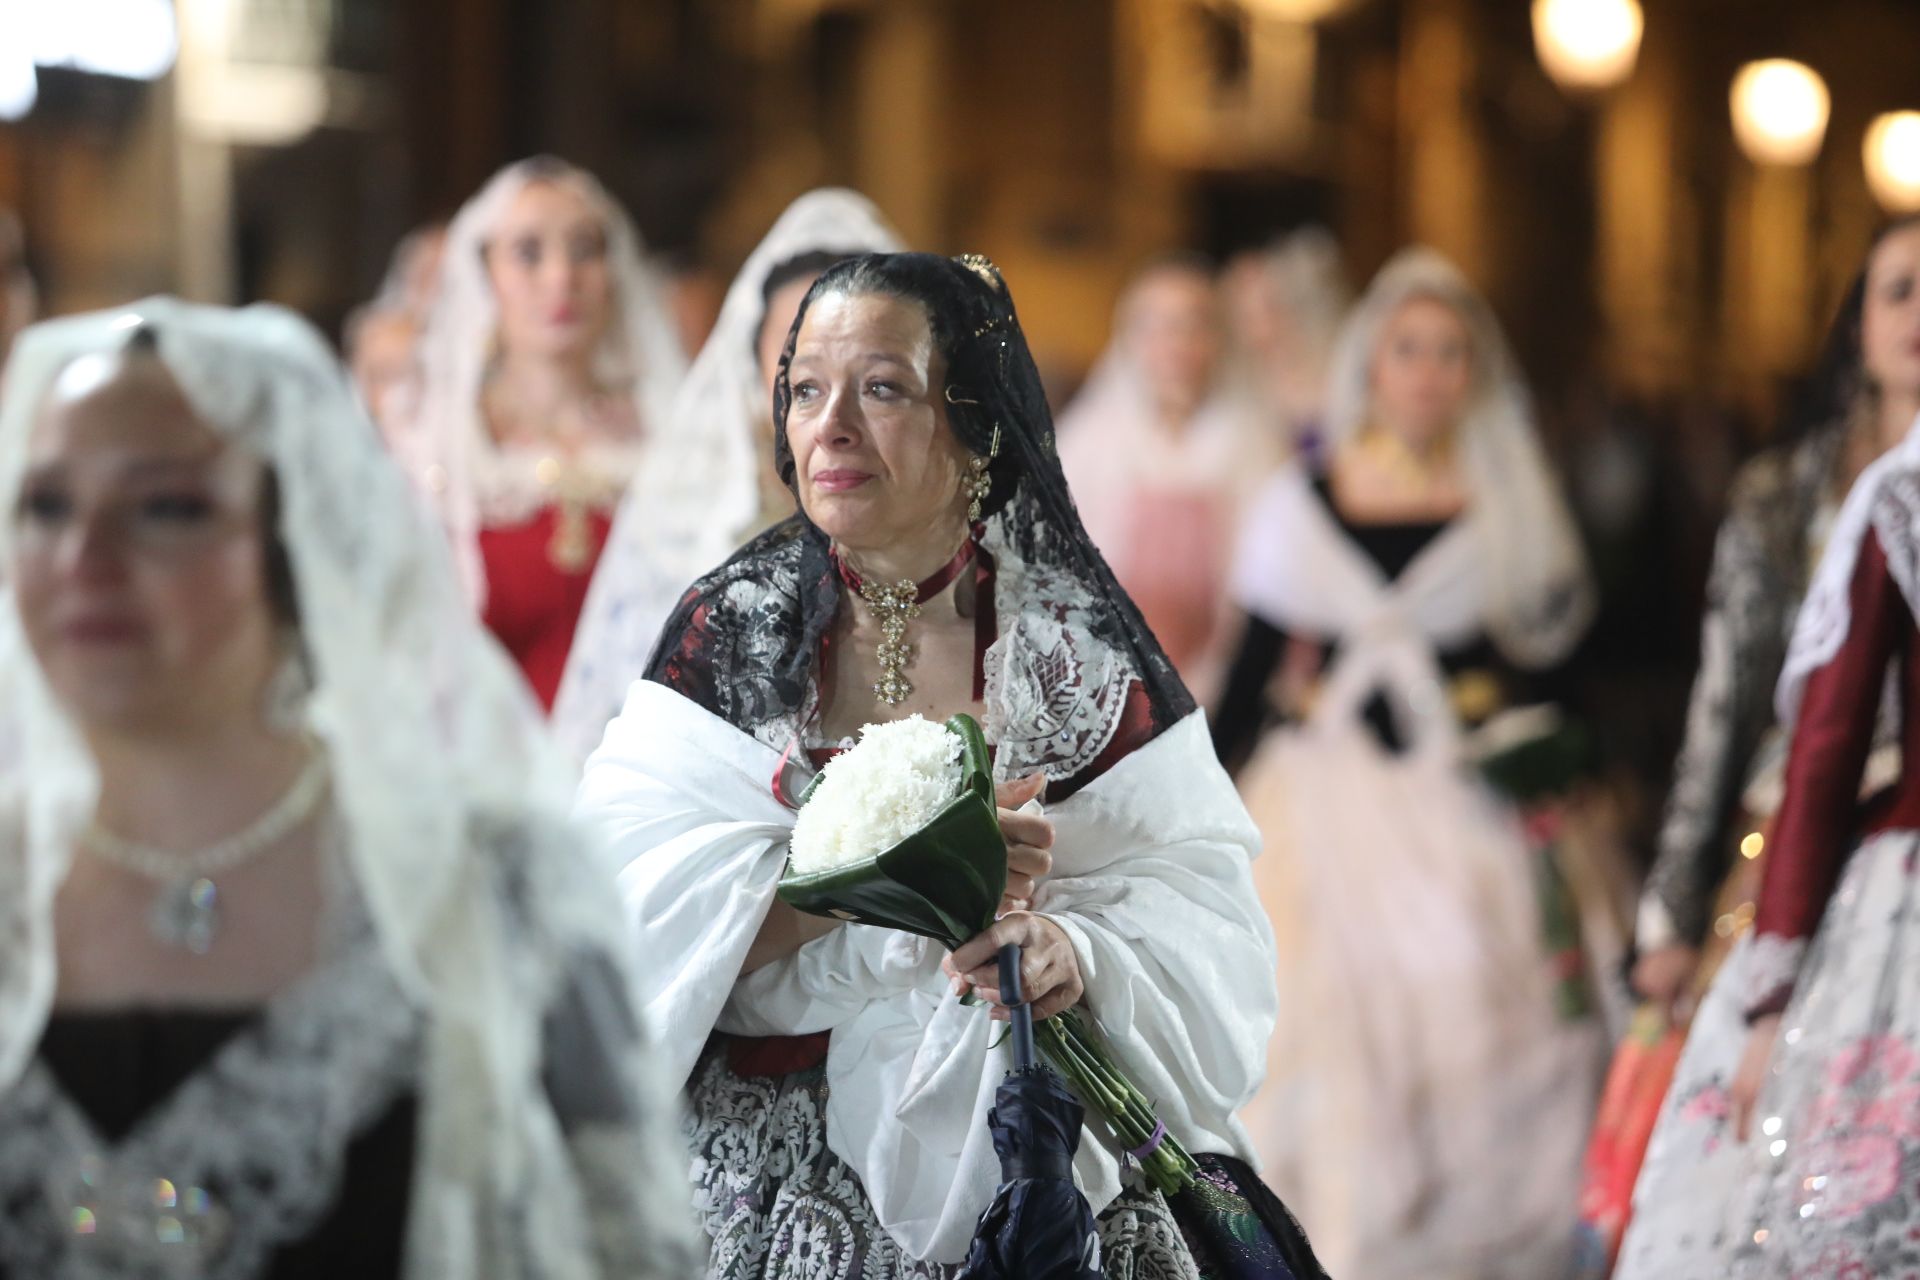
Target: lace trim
pixel 513 484
pixel 263 1130
pixel 1896 519
pixel 1055 692
pixel 1773 966
pixel 775 1200
pixel 1885 499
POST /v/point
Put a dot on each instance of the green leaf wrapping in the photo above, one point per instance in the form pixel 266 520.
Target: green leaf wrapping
pixel 945 882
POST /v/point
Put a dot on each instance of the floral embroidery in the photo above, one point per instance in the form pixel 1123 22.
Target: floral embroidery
pixel 779 1205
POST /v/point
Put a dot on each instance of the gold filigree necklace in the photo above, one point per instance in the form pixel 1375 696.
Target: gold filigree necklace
pixel 1423 471
pixel 894 606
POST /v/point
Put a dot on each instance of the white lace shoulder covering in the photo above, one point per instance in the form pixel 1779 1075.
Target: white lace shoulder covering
pixel 513 483
pixel 248 1155
pixel 242 1159
pixel 1055 691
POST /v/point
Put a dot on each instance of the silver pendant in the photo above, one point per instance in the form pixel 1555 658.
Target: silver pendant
pixel 186 914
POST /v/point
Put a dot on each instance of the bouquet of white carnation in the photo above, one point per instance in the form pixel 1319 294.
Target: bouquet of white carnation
pixel 902 832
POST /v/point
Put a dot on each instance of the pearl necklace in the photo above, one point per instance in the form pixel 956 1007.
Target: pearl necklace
pixel 186 909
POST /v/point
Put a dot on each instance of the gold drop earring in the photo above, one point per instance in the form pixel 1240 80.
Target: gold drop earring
pixel 979 481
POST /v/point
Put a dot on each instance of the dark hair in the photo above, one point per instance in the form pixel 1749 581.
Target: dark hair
pixel 282 598
pixel 811 264
pixel 1839 375
pixel 753 663
pixel 977 335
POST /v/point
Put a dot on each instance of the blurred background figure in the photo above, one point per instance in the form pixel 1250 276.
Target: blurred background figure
pixel 551 364
pixel 1700 901
pixel 1162 458
pixel 694 504
pixel 303 969
pixel 382 351
pixel 1284 305
pixel 381 338
pixel 19 300
pixel 413 276
pixel 1429 1086
pixel 695 294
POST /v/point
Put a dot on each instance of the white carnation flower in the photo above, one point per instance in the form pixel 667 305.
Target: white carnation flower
pixel 882 790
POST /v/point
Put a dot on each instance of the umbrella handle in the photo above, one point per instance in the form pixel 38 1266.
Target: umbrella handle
pixel 1019 1012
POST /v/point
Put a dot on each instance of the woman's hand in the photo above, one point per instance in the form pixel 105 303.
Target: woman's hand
pixel 1663 975
pixel 1049 971
pixel 1744 1092
pixel 1029 840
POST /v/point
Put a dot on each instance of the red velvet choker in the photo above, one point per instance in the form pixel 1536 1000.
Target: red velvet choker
pixel 899 603
pixel 916 593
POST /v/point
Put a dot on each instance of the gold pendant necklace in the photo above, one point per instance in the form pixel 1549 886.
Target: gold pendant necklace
pixel 571 491
pixel 1411 467
pixel 894 606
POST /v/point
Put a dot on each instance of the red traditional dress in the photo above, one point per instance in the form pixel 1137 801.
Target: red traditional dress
pixel 528 509
pixel 1824 1184
pixel 544 518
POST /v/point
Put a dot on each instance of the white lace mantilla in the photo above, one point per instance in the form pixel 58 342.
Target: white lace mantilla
pixel 242 1159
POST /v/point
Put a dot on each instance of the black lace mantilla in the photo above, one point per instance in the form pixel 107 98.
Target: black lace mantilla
pixel 744 641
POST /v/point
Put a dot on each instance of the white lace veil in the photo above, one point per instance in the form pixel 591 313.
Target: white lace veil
pixel 1540 596
pixel 693 503
pixel 449 443
pixel 1300 276
pixel 436 755
pixel 1112 444
pixel 1886 498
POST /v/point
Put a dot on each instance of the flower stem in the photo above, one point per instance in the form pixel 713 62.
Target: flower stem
pixel 1091 1069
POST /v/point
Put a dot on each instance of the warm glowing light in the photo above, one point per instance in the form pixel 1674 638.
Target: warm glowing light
pixel 1893 160
pixel 19 85
pixel 132 39
pixel 1752 844
pixel 1587 44
pixel 1779 111
pixel 1295 10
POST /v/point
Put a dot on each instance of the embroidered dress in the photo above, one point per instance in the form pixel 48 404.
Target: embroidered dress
pixel 544 521
pixel 1164 504
pixel 1823 1186
pixel 1777 515
pixel 1418 1031
pixel 876 1160
pixel 1426 1099
pixel 220 1105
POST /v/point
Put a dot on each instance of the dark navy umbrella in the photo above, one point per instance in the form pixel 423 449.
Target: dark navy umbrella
pixel 1039 1226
